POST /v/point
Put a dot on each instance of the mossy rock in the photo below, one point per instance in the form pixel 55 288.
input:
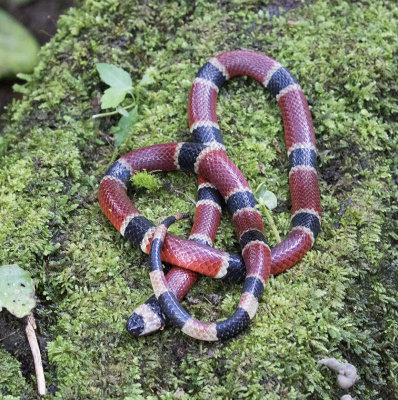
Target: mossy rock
pixel 340 301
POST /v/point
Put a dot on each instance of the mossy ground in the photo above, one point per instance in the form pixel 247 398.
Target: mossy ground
pixel 340 301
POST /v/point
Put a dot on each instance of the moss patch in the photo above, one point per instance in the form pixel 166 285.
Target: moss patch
pixel 340 301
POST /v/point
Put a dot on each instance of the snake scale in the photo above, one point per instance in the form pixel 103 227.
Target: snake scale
pixel 220 182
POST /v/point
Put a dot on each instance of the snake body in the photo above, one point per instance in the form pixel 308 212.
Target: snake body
pixel 218 175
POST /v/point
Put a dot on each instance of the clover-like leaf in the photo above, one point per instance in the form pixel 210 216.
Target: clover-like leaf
pixel 114 76
pixel 266 197
pixel 16 290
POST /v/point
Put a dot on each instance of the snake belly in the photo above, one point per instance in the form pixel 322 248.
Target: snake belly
pixel 208 154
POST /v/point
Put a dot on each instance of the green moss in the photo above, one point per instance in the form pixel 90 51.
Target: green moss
pixel 147 181
pixel 340 301
pixel 11 380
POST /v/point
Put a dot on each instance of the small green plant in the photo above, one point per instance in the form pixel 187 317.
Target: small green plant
pixel 267 201
pixel 17 295
pixel 146 180
pixel 120 87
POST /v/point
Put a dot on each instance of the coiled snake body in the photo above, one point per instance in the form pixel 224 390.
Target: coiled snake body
pixel 219 179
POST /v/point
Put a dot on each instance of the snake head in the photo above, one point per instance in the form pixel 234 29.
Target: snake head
pixel 146 318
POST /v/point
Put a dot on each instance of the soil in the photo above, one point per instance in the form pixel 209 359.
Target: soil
pixel 40 18
pixel 12 336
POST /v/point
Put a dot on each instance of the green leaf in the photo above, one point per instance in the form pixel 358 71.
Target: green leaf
pixel 18 48
pixel 16 290
pixel 124 126
pixel 149 77
pixel 122 111
pixel 114 76
pixel 266 197
pixel 112 97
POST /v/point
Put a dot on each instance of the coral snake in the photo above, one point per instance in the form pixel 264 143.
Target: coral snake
pixel 220 181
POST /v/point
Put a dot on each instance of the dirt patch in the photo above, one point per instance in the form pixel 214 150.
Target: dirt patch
pixel 277 6
pixel 12 336
pixel 39 16
pixel 6 94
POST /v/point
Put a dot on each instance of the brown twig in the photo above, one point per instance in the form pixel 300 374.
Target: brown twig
pixel 34 346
